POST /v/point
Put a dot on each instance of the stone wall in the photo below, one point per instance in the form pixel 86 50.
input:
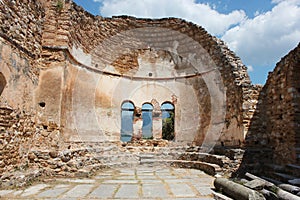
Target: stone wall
pixel 64 74
pixel 70 40
pixel 273 136
pixel 22 24
pixel 251 98
pixel 94 43
pixel 56 24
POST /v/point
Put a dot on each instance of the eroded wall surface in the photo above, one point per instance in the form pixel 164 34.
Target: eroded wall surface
pixel 87 66
pixel 143 53
pixel 273 136
pixel 65 74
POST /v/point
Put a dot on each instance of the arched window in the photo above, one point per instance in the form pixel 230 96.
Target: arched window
pixel 2 83
pixel 147 109
pixel 168 123
pixel 127 121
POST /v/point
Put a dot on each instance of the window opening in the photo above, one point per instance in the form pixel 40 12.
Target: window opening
pixel 127 121
pixel 147 128
pixel 168 123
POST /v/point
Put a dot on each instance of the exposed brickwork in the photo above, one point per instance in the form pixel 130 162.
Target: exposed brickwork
pixel 251 97
pixel 273 136
pixel 87 32
pixel 22 23
pixel 276 123
pixel 56 24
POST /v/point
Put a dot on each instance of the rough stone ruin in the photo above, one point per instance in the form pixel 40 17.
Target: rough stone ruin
pixel 68 77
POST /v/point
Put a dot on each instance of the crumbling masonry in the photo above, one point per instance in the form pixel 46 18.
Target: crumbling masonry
pixel 65 74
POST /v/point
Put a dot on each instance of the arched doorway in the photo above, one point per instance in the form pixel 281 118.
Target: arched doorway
pixel 127 111
pixel 168 122
pixel 147 109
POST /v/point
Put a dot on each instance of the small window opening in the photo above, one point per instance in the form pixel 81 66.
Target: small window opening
pixel 281 97
pixel 42 104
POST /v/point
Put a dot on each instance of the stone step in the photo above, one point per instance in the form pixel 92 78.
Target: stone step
pixel 295 182
pixel 284 177
pixel 116 157
pixel 121 164
pixel 298 158
pixel 294 169
pixel 275 168
pixel 204 157
pixel 215 159
pixel 231 153
pixel 151 149
pixel 146 156
pixel 209 168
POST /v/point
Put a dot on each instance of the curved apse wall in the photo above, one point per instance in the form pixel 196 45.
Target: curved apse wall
pixel 143 60
pixel 140 69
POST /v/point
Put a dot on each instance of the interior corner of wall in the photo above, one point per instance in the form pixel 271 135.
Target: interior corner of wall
pixel 80 56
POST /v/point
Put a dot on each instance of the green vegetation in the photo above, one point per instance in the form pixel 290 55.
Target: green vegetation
pixel 59 5
pixel 168 127
pixel 148 138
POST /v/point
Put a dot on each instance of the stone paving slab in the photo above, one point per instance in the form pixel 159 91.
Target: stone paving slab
pixel 182 190
pixel 54 192
pixel 149 183
pixel 145 181
pixel 128 192
pixel 104 191
pixel 205 190
pixel 155 191
pixel 33 190
pixel 79 191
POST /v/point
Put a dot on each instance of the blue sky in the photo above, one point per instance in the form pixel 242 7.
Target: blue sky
pixel 260 32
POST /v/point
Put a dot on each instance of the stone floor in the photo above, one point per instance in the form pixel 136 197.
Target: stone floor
pixel 126 183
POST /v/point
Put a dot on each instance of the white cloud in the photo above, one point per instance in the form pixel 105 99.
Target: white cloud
pixel 289 1
pixel 202 14
pixel 261 41
pixel 256 13
pixel 250 68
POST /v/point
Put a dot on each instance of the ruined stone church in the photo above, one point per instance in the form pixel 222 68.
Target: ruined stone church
pixel 77 86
